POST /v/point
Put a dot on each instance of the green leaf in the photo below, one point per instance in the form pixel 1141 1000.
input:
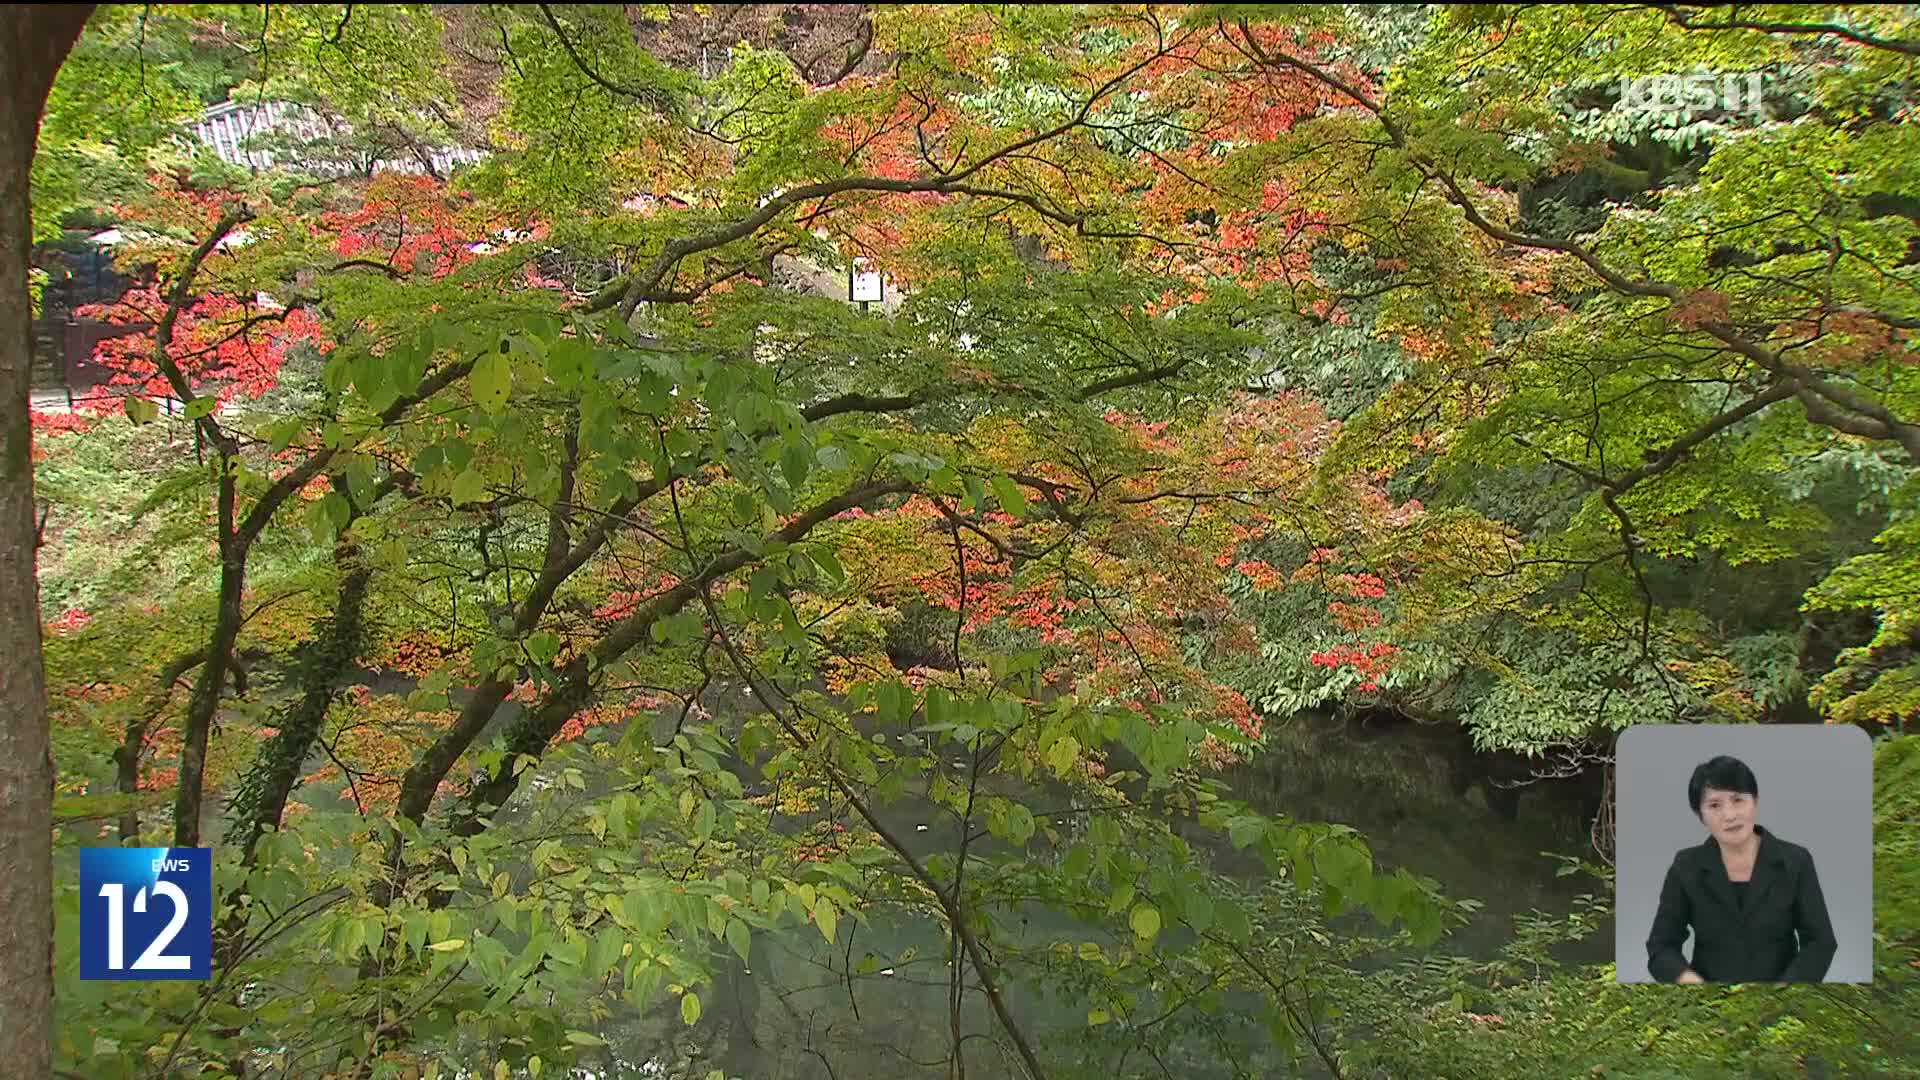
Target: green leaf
pixel 543 646
pixel 939 708
pixel 588 1038
pixel 761 585
pixel 373 377
pixel 1283 1035
pixel 739 937
pixel 895 701
pixel 1064 755
pixel 281 433
pixel 690 1008
pixel 339 371
pixel 1012 499
pixel 1020 824
pixel 1096 1017
pixel 826 918
pixel 353 939
pixel 359 475
pixel 569 362
pixel 492 381
pixel 703 820
pixel 791 632
pixel 605 950
pixel 201 406
pixel 1231 918
pixel 976 494
pixel 796 460
pixel 469 487
pixel 413 931
pixel 337 509
pixel 1198 909
pixel 140 410
pixel 1078 862
pixel 1145 922
pixel 677 628
pixel 1245 830
pixel 829 563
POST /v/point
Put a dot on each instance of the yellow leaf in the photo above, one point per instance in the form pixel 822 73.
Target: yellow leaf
pixel 449 945
pixel 492 381
pixel 1064 755
pixel 1146 921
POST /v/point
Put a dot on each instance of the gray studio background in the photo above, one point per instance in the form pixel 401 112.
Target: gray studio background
pixel 1816 790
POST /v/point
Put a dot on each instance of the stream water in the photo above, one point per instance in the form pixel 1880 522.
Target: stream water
pixel 799 1013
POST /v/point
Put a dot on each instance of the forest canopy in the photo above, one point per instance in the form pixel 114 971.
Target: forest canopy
pixel 580 631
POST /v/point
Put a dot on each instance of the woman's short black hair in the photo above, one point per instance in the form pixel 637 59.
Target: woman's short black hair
pixel 1723 772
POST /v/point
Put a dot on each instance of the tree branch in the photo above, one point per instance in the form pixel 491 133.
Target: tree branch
pixel 1870 418
pixel 950 904
pixel 653 99
pixel 270 500
pixel 644 285
pixel 856 52
pixel 176 303
pixel 1680 18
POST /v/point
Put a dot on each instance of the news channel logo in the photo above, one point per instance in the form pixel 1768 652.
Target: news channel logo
pixel 146 913
pixel 1683 96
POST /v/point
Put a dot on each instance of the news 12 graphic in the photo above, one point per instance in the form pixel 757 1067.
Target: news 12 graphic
pixel 146 913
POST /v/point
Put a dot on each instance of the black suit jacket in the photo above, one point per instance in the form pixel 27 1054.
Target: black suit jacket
pixel 1732 943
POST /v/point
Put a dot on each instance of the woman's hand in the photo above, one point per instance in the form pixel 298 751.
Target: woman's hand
pixel 1689 977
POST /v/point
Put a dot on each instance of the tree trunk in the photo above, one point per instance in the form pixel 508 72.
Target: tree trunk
pixel 34 40
pixel 261 800
pixel 126 757
pixel 205 702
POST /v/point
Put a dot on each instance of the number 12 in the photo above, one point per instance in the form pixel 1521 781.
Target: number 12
pixel 154 958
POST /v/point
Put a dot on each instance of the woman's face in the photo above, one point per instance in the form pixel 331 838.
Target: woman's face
pixel 1728 815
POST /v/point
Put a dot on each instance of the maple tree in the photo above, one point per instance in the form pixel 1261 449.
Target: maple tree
pixel 1241 362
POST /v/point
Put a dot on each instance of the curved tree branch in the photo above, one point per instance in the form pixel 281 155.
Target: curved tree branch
pixel 653 99
pixel 645 285
pixel 1685 20
pixel 857 52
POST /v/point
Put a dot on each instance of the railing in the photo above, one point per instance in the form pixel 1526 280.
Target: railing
pixel 230 126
